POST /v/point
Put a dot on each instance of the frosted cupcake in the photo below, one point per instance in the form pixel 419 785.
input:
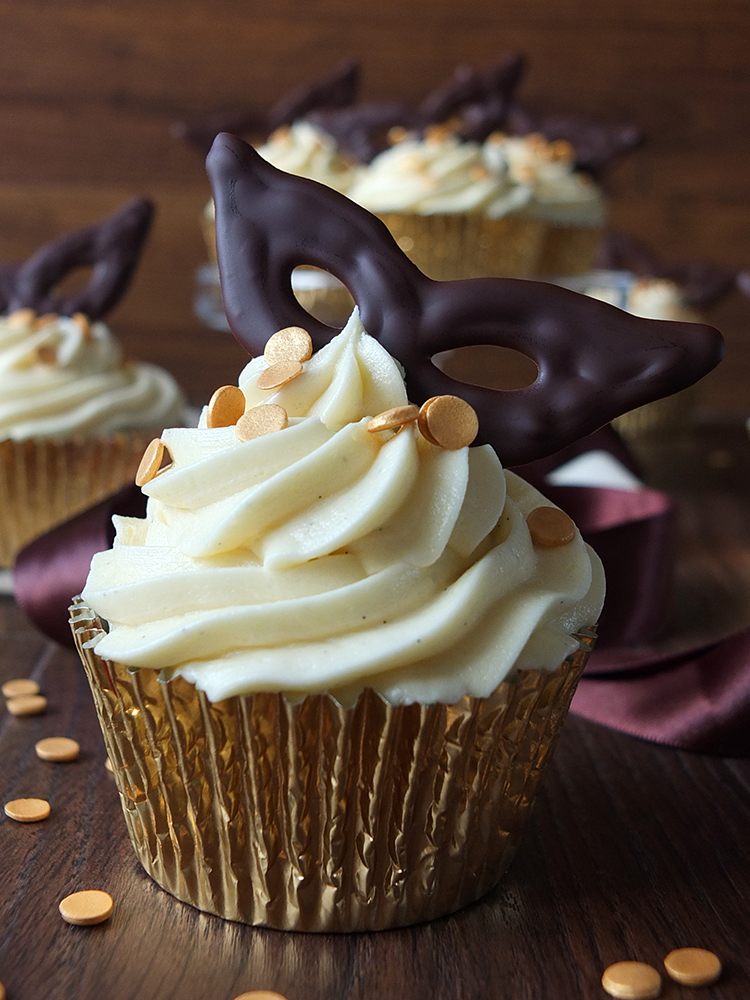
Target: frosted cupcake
pixel 75 414
pixel 332 662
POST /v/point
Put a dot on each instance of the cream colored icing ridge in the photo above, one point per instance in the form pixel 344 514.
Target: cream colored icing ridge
pixel 63 377
pixel 324 557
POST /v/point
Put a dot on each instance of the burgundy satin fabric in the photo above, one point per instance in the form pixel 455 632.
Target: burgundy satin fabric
pixel 53 568
pixel 697 699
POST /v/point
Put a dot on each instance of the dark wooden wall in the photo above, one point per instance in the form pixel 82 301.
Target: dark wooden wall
pixel 88 91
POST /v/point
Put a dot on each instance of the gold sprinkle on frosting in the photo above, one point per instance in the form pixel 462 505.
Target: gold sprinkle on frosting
pixel 448 421
pixel 290 344
pixel 151 462
pixel 550 527
pixel 279 374
pixel 390 420
pixel 259 420
pixel 226 406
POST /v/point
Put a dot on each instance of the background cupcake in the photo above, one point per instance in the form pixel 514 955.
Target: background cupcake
pixel 75 414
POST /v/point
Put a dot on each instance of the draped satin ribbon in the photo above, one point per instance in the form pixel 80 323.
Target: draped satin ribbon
pixel 698 699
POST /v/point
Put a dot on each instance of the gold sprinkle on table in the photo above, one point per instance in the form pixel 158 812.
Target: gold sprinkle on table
pixel 258 995
pixel 27 810
pixel 57 748
pixel 226 406
pixel 448 421
pixel 90 906
pixel 389 420
pixel 397 134
pixel 19 686
pixel 259 420
pixel 279 374
pixel 550 527
pixel 632 981
pixel 693 966
pixel 27 704
pixel 290 344
pixel 151 462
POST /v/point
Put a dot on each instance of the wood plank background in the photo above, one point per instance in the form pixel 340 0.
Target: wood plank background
pixel 88 91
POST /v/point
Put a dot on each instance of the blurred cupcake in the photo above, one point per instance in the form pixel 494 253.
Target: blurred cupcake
pixel 75 415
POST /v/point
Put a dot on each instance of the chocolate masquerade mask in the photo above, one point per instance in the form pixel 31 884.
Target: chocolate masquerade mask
pixel 594 360
pixel 111 248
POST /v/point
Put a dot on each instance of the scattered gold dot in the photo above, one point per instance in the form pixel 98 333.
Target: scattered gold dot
pixel 632 981
pixel 550 527
pixel 496 138
pixel 259 420
pixel 290 344
pixel 279 374
pixel 226 406
pixel 84 324
pixel 91 906
pixel 259 995
pixel 448 421
pixel 20 318
pixel 389 420
pixel 57 748
pixel 44 321
pixel 27 704
pixel 693 966
pixel 397 134
pixel 27 810
pixel 561 149
pixel 45 354
pixel 151 462
pixel 22 685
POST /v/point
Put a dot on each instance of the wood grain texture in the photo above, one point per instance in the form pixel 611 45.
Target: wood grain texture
pixel 88 91
pixel 633 849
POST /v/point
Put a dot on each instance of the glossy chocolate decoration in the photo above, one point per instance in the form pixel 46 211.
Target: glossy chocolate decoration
pixel 595 361
pixel 111 248
pixel 337 90
pixel 482 99
pixel 702 283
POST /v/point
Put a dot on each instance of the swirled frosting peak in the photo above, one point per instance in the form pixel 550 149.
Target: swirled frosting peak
pixel 62 377
pixel 328 555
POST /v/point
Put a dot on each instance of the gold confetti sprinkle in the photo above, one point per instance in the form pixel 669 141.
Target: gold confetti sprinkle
pixel 259 420
pixel 290 344
pixel 448 421
pixel 226 406
pixel 151 462
pixel 279 374
pixel 550 527
pixel 389 420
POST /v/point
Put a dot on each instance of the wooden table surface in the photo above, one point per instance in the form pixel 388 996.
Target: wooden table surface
pixel 633 849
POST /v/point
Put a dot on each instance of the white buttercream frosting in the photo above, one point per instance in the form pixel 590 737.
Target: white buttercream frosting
pixel 306 150
pixel 324 557
pixel 65 378
pixel 559 193
pixel 437 174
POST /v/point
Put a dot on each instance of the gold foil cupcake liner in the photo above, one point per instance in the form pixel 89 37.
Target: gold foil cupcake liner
pixel 314 817
pixel 568 250
pixel 664 416
pixel 45 482
pixel 468 245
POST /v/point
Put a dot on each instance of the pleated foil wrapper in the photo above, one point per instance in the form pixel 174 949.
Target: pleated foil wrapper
pixel 468 245
pixel 568 250
pixel 314 817
pixel 45 482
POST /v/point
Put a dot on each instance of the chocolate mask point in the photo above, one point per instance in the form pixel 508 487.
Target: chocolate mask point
pixel 595 361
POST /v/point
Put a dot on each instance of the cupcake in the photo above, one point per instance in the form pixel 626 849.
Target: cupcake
pixel 75 413
pixel 332 662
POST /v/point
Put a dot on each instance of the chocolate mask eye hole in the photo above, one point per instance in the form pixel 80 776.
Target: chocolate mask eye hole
pixel 489 366
pixel 594 360
pixel 110 249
